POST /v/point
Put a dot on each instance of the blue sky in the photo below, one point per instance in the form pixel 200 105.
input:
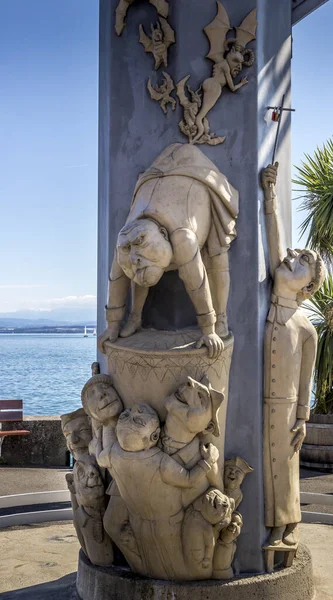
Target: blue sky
pixel 48 119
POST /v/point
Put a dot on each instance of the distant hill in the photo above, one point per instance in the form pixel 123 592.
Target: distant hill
pixel 53 318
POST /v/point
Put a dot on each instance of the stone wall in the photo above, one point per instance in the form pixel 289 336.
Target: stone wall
pixel 44 446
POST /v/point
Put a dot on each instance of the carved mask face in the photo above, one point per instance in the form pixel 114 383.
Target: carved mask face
pixel 233 530
pixel 296 271
pixel 216 507
pixel 102 402
pixel 235 61
pixel 89 488
pixel 233 477
pixel 138 428
pixel 195 395
pixel 144 252
pixel 78 434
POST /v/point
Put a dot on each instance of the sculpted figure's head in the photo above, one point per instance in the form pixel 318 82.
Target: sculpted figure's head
pixel 88 484
pixel 138 428
pixel 235 470
pixel 204 399
pixel 301 272
pixel 100 400
pixel 232 531
pixel 144 251
pixel 76 428
pixel 235 60
pixel 215 507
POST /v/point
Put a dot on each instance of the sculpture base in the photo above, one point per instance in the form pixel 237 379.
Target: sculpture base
pixel 293 583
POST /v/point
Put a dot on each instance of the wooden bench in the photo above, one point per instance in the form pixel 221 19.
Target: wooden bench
pixel 10 410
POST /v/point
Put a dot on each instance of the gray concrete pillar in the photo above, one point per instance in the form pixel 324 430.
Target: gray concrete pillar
pixel 133 131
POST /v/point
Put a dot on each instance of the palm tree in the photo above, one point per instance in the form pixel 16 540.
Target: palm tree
pixel 315 182
pixel 321 315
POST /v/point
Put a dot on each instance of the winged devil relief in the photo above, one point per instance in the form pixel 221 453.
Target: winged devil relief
pixel 161 93
pixel 192 102
pixel 162 37
pixel 229 55
pixel 162 7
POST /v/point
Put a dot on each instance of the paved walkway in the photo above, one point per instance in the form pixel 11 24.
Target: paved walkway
pixel 39 562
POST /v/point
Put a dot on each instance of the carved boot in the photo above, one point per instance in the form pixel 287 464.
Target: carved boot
pixel 132 325
pixel 276 536
pixel 221 325
pixel 291 535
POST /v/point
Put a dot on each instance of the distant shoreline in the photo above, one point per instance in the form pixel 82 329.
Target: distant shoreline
pixel 63 329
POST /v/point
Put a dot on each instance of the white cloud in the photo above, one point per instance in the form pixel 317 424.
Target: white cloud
pixel 87 300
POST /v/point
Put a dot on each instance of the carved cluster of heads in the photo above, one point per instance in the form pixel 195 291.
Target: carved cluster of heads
pixel 302 272
pixel 144 251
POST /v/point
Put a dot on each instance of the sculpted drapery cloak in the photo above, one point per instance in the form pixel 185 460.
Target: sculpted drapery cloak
pixel 203 185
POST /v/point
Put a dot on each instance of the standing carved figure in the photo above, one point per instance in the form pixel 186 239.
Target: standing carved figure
pixel 226 547
pixel 230 55
pixel 235 471
pixel 162 37
pixel 290 351
pixel 183 216
pixel 162 7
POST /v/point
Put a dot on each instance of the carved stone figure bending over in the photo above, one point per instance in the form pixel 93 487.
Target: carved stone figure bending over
pixel 182 217
pixel 150 483
pixel 290 350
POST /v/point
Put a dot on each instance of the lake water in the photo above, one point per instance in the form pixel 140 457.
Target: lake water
pixel 46 371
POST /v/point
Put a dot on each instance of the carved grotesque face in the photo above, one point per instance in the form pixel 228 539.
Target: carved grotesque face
pixel 88 484
pixel 157 36
pixel 233 530
pixel 102 402
pixel 216 507
pixel 78 434
pixel 235 61
pixel 233 477
pixel 296 271
pixel 195 395
pixel 144 252
pixel 138 428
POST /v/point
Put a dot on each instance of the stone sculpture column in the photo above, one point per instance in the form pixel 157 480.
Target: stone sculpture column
pixel 133 131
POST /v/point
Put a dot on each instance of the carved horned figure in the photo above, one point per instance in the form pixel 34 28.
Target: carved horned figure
pixel 161 38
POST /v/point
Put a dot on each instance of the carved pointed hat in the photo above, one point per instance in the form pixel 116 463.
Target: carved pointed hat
pixel 240 463
pixel 216 399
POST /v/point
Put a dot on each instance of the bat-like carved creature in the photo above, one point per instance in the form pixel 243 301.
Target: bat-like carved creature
pixel 162 7
pixel 162 37
pixel 162 92
pixel 191 107
pixel 230 55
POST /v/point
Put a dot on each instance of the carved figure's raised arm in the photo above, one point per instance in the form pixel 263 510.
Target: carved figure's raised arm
pixel 119 285
pixel 232 87
pixel 276 253
pixel 192 271
pixel 175 474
